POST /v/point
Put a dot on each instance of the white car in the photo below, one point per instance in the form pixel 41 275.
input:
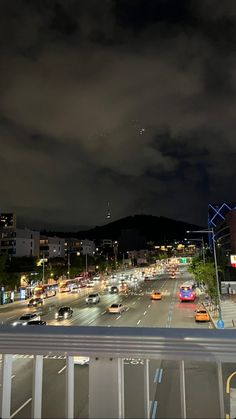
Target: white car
pixel 93 298
pixel 116 308
pixel 23 320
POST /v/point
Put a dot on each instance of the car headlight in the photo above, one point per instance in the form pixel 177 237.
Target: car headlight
pixel 66 315
pixel 24 324
pixel 56 315
pixel 14 324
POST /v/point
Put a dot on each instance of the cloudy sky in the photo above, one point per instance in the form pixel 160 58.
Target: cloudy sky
pixel 127 101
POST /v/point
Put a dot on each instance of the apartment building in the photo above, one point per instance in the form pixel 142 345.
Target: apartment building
pixel 52 247
pixel 18 242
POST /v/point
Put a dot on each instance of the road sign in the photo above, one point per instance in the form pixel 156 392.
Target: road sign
pixel 220 324
pixel 183 260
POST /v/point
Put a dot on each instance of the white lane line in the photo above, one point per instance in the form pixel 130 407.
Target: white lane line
pixel 149 305
pixel 118 317
pixel 154 411
pixel 104 312
pixel 91 321
pixel 134 302
pixel 59 372
pixel 139 322
pixel 156 375
pixel 20 408
pixel 160 375
pixel 145 313
pixel 127 309
pixel 8 318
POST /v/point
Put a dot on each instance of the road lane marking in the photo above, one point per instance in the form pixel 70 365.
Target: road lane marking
pixel 149 305
pixel 145 313
pixel 20 408
pixel 160 375
pixel 118 317
pixel 91 321
pixel 154 410
pixel 156 375
pixel 59 372
pixel 8 318
pixel 139 322
pixel 104 312
pixel 134 302
pixel 127 309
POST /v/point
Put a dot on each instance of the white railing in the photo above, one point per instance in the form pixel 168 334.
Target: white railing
pixel 107 347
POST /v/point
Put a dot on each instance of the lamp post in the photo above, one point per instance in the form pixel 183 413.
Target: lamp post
pixel 86 264
pixel 211 231
pixel 68 264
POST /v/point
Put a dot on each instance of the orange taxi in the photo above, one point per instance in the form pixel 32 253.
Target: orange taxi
pixel 201 315
pixel 156 295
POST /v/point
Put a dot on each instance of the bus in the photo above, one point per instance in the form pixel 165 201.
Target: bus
pixel 69 285
pixel 186 293
pixel 44 291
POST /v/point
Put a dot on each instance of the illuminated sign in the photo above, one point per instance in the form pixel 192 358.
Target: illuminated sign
pixel 233 261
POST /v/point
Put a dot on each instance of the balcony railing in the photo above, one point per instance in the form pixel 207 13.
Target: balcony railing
pixel 108 348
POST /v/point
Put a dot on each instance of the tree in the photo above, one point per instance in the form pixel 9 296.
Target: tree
pixel 205 272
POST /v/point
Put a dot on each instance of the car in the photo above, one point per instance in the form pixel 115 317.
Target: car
pixel 116 308
pixel 201 315
pixel 156 295
pixel 35 301
pixel 64 312
pixel 23 320
pixel 36 322
pixel 75 289
pixel 93 298
pixel 91 284
pixel 114 290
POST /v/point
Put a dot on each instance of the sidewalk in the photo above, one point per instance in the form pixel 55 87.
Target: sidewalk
pixel 228 311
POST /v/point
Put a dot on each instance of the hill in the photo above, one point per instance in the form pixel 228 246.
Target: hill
pixel 151 228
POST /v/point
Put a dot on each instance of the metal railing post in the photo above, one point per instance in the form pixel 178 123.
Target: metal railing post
pixel 182 390
pixel 36 412
pixel 146 390
pixel 6 386
pixel 221 389
pixel 69 396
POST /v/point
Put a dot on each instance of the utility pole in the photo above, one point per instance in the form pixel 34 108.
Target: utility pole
pixel 86 264
pixel 43 271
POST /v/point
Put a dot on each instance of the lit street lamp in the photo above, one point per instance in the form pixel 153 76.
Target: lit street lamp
pixel 211 231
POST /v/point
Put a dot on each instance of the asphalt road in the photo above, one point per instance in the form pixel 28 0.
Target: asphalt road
pixel 201 378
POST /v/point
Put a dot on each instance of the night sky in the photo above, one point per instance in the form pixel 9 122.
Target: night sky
pixel 131 102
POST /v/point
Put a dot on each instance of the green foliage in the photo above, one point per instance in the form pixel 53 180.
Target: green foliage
pixel 205 272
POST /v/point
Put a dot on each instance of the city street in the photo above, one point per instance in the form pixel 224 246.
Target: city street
pixel 140 311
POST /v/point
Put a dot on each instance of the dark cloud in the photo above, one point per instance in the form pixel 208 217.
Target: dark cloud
pixel 120 101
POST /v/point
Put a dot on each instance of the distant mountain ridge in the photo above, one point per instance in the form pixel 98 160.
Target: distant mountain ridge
pixel 152 228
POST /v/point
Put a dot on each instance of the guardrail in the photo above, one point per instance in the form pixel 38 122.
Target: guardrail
pixel 107 347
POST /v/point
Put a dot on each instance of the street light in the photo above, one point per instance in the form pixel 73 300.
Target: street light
pixel 211 231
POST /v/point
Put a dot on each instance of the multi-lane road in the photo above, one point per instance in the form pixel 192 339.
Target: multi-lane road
pixel 140 311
